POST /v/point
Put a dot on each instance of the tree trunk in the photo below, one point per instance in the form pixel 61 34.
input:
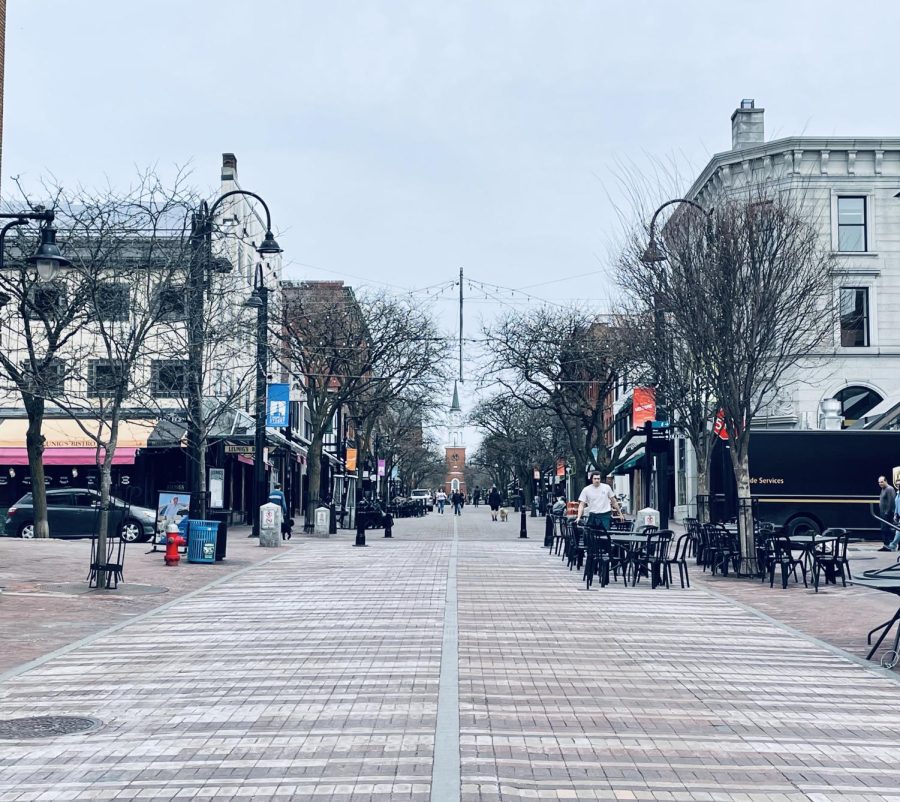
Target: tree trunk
pixel 34 442
pixel 703 490
pixel 741 463
pixel 314 476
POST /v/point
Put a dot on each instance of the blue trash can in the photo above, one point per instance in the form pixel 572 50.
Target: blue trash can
pixel 202 536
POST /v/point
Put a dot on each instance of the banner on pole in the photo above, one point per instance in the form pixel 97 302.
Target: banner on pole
pixel 351 459
pixel 277 405
pixel 381 467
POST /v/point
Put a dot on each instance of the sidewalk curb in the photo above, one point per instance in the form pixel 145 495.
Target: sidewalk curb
pixel 44 658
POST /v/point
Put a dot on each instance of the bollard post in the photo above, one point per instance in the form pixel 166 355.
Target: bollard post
pixel 533 509
pixel 548 531
pixel 388 525
pixel 523 528
pixel 360 529
pixel 332 519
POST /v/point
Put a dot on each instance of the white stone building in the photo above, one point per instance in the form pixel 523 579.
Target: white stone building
pixel 850 188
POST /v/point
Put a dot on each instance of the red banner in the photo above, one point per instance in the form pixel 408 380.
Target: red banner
pixel 560 467
pixel 643 406
pixel 719 425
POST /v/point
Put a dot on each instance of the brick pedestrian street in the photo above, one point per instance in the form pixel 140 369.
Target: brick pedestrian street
pixel 455 662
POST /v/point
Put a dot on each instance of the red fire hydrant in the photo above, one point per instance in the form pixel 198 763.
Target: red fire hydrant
pixel 173 541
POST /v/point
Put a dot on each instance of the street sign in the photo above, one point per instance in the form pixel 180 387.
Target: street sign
pixel 233 449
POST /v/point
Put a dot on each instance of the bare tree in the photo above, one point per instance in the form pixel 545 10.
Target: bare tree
pixel 40 349
pixel 663 309
pixel 350 351
pixel 128 252
pixel 565 361
pixel 744 296
pixel 522 438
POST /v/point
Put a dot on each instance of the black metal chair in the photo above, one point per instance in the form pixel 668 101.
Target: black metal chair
pixel 831 558
pixel 574 551
pixel 679 558
pixel 780 553
pixel 597 555
pixel 621 525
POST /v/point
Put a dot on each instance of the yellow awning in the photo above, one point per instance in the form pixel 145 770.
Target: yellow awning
pixel 68 433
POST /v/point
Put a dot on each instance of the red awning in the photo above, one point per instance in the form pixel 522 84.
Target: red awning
pixel 67 456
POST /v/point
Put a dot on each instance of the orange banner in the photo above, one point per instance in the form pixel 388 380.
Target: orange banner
pixel 560 467
pixel 643 404
pixel 350 462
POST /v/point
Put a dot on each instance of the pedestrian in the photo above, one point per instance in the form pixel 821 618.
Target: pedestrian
pixel 476 496
pixel 441 498
pixel 276 496
pixel 895 543
pixel 559 506
pixel 886 511
pixel 458 499
pixel 494 502
pixel 598 499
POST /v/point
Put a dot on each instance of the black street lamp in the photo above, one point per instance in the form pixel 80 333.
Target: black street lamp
pixel 47 259
pixel 653 256
pixel 201 265
pixel 259 300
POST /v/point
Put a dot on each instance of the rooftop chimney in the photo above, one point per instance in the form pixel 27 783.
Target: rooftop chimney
pixel 747 125
pixel 229 167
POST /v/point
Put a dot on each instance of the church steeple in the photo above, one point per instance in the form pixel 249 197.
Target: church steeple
pixel 455 449
pixel 454 404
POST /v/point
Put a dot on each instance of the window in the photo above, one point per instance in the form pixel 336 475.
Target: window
pixel 104 376
pixel 854 311
pixel 856 402
pixel 168 378
pixel 50 380
pixel 172 303
pixel 45 300
pixel 111 301
pixel 851 224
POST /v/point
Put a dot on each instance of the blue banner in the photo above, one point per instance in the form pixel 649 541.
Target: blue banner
pixel 277 405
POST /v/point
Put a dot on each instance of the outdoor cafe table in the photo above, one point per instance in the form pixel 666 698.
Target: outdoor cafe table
pixel 888 582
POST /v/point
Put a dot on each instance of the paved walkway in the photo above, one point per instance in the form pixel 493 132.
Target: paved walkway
pixel 453 662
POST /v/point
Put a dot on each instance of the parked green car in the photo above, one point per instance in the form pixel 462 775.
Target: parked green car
pixel 74 513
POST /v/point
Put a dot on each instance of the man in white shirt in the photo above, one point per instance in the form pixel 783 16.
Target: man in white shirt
pixel 598 499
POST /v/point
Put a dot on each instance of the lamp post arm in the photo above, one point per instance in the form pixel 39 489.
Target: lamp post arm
pixel 671 203
pixel 215 206
pixel 20 221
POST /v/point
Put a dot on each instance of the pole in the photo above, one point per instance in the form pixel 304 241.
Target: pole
pixel 196 296
pixel 259 443
pixel 523 521
pixel 460 325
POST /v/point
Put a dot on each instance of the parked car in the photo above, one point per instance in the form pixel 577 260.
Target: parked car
pixel 73 512
pixel 423 494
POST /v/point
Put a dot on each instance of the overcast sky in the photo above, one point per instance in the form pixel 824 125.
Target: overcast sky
pixel 397 141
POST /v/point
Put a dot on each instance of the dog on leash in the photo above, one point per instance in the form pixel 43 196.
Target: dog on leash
pixel 503 514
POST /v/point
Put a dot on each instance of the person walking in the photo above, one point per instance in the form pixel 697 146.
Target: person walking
pixel 441 501
pixel 598 499
pixel 457 498
pixel 276 496
pixel 476 496
pixel 886 510
pixel 494 502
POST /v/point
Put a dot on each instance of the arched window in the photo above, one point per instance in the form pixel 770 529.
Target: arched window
pixel 454 485
pixel 855 402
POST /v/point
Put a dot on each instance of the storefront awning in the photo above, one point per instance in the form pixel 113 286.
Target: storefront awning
pixel 66 443
pixel 630 461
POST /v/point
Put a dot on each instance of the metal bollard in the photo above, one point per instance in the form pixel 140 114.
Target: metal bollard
pixel 388 525
pixel 523 528
pixel 360 530
pixel 548 531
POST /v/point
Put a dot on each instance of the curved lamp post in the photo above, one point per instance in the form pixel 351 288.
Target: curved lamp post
pixel 652 256
pixel 201 264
